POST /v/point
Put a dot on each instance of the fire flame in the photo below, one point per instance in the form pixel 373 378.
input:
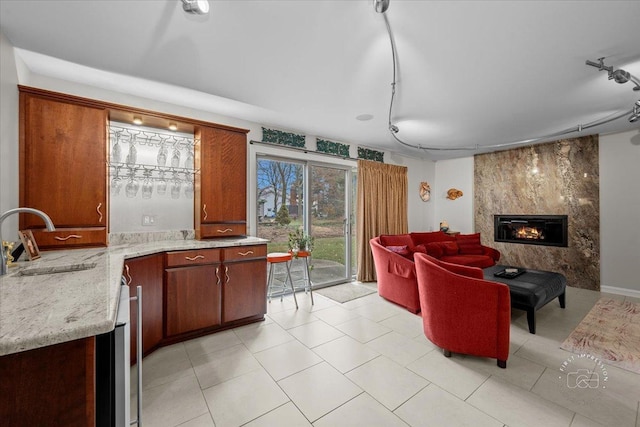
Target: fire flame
pixel 529 233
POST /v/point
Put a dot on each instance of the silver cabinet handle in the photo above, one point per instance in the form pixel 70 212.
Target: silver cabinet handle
pixel 204 209
pixel 138 300
pixel 226 275
pixel 194 258
pixel 99 213
pixel 245 253
pixel 70 236
pixel 217 276
pixel 226 230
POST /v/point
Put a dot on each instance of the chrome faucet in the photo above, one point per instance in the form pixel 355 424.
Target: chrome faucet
pixel 45 218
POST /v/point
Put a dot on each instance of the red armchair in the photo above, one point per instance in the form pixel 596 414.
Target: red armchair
pixel 462 312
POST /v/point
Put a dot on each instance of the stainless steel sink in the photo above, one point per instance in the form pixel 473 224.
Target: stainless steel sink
pixel 38 271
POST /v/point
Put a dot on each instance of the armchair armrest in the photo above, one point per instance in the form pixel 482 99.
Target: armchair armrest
pixel 493 253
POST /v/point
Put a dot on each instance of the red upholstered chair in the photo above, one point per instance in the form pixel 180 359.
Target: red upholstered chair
pixel 462 312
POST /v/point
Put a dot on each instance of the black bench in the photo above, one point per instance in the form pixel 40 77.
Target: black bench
pixel 531 290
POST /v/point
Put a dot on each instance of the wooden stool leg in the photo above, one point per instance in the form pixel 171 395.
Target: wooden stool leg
pixel 291 283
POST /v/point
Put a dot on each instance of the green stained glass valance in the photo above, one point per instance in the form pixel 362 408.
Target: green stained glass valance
pixel 324 146
pixel 368 154
pixel 283 138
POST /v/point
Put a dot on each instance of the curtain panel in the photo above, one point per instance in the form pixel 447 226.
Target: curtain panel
pixel 382 209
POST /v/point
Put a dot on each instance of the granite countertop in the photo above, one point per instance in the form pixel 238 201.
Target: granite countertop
pixel 45 309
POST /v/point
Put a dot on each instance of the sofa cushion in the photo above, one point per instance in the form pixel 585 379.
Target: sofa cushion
pixel 449 248
pixel 406 271
pixel 434 249
pixel 469 244
pixel 401 250
pixel 396 240
pixel 481 261
pixel 420 249
pixel 430 236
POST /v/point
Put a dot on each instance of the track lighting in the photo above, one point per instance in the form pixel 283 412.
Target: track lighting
pixel 636 113
pixel 198 7
pixel 381 6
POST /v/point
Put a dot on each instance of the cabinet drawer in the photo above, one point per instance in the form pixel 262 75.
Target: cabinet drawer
pixel 245 252
pixel 70 237
pixel 193 257
pixel 222 230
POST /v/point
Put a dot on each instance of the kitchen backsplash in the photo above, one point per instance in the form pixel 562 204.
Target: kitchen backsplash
pixel 150 236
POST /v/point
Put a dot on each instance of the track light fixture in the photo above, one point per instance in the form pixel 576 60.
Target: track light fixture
pixel 620 76
pixel 197 7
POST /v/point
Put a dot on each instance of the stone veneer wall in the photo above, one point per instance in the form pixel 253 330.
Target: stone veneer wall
pixel 557 178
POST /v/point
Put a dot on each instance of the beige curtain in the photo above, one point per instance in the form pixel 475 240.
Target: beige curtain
pixel 382 209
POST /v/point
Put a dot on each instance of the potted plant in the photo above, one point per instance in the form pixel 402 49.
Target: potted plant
pixel 300 241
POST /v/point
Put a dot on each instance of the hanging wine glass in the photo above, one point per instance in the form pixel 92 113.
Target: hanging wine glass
pixel 188 189
pixel 132 187
pixel 188 163
pixel 116 153
pixel 147 185
pixel 175 186
pixel 162 154
pixel 116 183
pixel 133 152
pixel 161 186
pixel 175 157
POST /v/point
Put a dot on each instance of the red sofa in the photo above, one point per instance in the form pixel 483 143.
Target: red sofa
pixel 462 312
pixel 396 271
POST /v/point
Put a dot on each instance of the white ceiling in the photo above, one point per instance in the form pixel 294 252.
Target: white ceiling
pixel 469 72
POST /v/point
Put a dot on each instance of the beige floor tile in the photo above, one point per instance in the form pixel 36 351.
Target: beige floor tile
pixel 172 403
pixel 401 349
pixel 593 402
pixel 520 371
pixel 164 365
pixel 335 315
pixel 387 382
pixel 286 415
pixel 318 390
pixel 363 410
pixel 315 333
pixel 376 310
pixel 515 406
pixel 244 398
pixel 201 421
pixel 211 343
pixel 582 421
pixel 345 353
pixel 287 359
pixel 223 365
pixel 405 323
pixel 363 329
pixel 275 305
pixel 260 336
pixel 291 318
pixel 449 373
pixel 547 352
pixel 435 407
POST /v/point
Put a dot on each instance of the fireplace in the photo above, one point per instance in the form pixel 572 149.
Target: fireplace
pixel 547 230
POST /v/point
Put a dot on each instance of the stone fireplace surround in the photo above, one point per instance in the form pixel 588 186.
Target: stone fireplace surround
pixel 556 178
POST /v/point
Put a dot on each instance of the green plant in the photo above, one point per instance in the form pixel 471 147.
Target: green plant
pixel 300 241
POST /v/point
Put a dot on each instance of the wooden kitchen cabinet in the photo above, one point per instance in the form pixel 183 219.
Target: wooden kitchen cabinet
pixel 192 291
pixel 146 272
pixel 63 169
pixel 244 288
pixel 221 185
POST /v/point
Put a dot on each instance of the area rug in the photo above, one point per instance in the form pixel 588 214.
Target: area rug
pixel 610 332
pixel 346 292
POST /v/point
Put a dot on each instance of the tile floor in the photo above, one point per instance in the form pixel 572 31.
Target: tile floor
pixel 367 363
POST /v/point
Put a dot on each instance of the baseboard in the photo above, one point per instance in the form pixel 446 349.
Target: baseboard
pixel 620 291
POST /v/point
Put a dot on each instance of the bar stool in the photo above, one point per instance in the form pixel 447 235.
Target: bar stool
pixel 305 255
pixel 274 258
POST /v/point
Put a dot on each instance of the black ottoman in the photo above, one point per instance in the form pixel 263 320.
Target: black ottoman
pixel 531 290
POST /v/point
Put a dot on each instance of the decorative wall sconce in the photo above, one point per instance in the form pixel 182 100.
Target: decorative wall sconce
pixel 425 191
pixel 454 193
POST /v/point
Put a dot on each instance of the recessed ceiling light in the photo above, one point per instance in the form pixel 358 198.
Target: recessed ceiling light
pixel 199 7
pixel 364 117
pixel 137 121
pixel 173 127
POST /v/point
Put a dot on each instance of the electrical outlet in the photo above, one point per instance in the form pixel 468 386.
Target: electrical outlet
pixel 148 220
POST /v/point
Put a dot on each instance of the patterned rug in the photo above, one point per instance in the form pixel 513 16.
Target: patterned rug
pixel 610 332
pixel 346 292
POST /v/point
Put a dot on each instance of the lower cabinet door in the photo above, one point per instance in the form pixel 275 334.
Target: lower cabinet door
pixel 192 298
pixel 245 290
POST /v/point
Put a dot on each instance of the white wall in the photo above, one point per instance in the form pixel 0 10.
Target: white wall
pixel 620 212
pixel 8 137
pixel 458 174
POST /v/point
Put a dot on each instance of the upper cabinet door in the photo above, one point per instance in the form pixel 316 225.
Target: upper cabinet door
pixel 63 162
pixel 222 181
